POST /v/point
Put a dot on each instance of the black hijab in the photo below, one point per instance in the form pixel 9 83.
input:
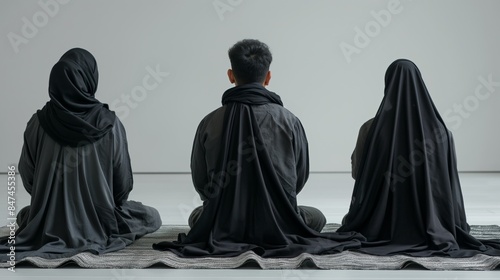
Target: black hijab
pixel 248 208
pixel 407 196
pixel 73 116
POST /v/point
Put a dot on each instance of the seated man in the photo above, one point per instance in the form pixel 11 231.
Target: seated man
pixel 283 136
pixel 76 167
pixel 249 162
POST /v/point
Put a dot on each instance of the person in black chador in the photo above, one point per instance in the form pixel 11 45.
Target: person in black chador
pixel 76 167
pixel 249 162
pixel 407 197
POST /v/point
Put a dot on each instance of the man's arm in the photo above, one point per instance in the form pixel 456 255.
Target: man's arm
pixel 302 156
pixel 199 164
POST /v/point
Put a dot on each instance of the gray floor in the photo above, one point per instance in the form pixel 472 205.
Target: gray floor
pixel 174 197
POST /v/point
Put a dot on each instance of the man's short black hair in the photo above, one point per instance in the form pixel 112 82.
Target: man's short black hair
pixel 250 60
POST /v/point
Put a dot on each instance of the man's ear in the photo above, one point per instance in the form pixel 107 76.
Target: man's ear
pixel 230 75
pixel 268 78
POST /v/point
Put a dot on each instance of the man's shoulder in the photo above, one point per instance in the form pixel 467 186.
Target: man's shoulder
pixel 216 116
pixel 278 111
pixel 274 115
pixel 217 113
pixel 284 115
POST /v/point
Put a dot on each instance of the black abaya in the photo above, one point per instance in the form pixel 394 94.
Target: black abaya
pixel 79 176
pixel 407 197
pixel 247 206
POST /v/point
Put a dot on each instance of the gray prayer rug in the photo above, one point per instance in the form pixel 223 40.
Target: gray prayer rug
pixel 141 255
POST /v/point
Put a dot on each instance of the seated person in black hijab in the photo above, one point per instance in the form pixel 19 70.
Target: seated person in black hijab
pixel 407 197
pixel 76 167
pixel 249 162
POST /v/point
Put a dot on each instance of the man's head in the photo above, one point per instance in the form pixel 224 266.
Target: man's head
pixel 250 61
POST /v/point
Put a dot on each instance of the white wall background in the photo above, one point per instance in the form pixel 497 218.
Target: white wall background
pixel 454 43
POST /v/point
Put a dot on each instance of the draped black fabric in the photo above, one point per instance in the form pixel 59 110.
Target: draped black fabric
pixel 79 198
pixel 73 116
pixel 247 207
pixel 407 196
pixel 250 94
pixel 79 192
